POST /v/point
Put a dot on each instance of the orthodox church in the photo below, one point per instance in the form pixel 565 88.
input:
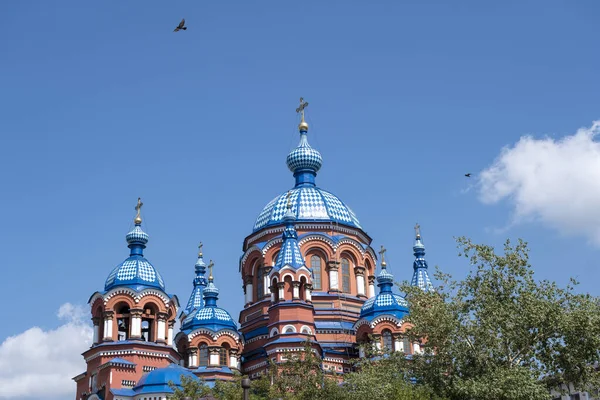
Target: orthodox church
pixel 309 276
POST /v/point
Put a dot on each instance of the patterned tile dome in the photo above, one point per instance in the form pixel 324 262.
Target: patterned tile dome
pixel 209 317
pixel 386 302
pixel 309 204
pixel 135 272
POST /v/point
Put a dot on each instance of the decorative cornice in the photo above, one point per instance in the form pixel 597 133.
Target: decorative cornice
pixel 138 296
pixel 118 353
pixel 214 335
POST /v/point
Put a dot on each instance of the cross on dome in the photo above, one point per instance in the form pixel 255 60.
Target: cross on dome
pixel 382 254
pixel 138 208
pixel 303 127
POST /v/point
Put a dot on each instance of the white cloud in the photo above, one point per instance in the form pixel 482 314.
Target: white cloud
pixel 553 181
pixel 40 364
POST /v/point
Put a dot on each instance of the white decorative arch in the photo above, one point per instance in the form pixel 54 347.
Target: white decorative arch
pixel 360 323
pixel 287 327
pixel 353 243
pixel 246 255
pixel 271 243
pixel 386 318
pixel 316 237
pixel 306 330
pixel 286 275
pixel 274 332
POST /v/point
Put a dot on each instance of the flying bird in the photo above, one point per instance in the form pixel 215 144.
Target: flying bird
pixel 181 26
pixel 468 175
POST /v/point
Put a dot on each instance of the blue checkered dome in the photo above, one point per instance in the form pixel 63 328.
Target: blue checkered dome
pixel 136 272
pixel 209 316
pixel 304 157
pixel 386 302
pixel 309 202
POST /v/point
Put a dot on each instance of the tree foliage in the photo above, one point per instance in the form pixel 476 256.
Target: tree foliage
pixel 501 334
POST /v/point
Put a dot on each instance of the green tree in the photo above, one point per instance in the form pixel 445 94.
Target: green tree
pixel 500 334
pixel 190 387
pixel 383 375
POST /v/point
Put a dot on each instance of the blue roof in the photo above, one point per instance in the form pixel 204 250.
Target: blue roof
pixel 158 380
pixel 122 361
pixel 263 330
pixel 135 272
pixel 344 325
pixel 290 254
pixel 209 317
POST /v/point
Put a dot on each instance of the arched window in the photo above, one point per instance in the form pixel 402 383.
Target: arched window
pixel 387 340
pixel 223 356
pixel 345 275
pixel 289 329
pixel 306 330
pixel 203 356
pixel 123 315
pixel 260 283
pixel 315 266
pixel 275 289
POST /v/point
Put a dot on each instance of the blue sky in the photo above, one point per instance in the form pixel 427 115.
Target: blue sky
pixel 101 103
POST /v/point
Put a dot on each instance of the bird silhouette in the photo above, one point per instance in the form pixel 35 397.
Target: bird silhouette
pixel 468 175
pixel 180 26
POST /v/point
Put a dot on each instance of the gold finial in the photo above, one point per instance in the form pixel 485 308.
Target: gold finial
pixel 200 249
pixel 382 253
pixel 210 267
pixel 303 104
pixel 138 208
pixel 418 230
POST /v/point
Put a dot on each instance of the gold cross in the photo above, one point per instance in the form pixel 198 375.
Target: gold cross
pixel 200 249
pixel 418 230
pixel 303 105
pixel 382 253
pixel 138 208
pixel 210 267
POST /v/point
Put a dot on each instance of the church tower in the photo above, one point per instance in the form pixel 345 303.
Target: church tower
pixel 307 269
pixel 133 325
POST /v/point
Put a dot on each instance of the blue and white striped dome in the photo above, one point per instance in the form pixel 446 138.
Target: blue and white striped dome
pixel 309 204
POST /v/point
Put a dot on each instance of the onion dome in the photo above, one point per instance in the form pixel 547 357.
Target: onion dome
pixel 386 302
pixel 196 298
pixel 289 255
pixel 420 275
pixel 309 203
pixel 209 316
pixel 135 272
pixel 304 159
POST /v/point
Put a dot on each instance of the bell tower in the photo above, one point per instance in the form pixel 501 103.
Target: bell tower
pixel 133 321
